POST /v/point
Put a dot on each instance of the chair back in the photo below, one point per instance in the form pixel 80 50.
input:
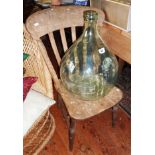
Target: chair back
pixel 57 19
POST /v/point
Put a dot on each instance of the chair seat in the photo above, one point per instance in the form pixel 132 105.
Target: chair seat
pixel 80 109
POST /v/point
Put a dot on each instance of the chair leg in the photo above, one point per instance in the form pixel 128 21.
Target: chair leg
pixel 58 101
pixel 114 108
pixel 72 123
pixel 121 65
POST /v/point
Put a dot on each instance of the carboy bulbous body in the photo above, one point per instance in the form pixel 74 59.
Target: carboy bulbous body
pixel 88 69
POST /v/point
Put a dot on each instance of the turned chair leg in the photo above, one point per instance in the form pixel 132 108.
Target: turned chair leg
pixel 72 123
pixel 114 108
pixel 58 101
pixel 121 65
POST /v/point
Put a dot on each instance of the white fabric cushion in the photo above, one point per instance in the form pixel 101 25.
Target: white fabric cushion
pixel 33 107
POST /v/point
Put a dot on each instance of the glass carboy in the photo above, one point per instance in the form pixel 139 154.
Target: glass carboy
pixel 88 69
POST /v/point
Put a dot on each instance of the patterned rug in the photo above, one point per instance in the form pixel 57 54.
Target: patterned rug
pixel 124 83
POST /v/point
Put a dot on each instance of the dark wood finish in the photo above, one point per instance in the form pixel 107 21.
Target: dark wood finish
pixel 72 123
pixel 93 136
pixel 121 65
pixel 114 108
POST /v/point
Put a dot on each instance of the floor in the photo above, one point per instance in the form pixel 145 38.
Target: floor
pixel 94 136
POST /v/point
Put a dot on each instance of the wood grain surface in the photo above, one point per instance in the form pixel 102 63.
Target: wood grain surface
pixel 118 41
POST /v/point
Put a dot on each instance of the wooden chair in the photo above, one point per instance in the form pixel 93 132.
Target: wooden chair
pixel 46 22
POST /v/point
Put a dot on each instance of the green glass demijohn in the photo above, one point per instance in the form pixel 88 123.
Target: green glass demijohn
pixel 88 69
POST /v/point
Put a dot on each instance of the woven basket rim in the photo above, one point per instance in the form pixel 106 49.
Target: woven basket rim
pixel 37 121
pixel 44 139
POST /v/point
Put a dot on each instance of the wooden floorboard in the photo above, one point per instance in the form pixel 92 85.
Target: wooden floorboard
pixel 94 136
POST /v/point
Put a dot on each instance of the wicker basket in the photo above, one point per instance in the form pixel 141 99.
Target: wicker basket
pixel 39 135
